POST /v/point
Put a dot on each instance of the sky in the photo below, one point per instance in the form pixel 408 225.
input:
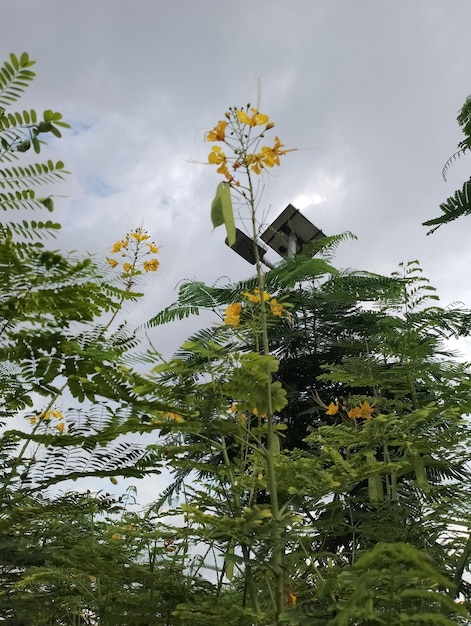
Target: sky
pixel 367 91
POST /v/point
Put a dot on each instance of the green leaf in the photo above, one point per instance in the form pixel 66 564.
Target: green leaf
pixel 222 212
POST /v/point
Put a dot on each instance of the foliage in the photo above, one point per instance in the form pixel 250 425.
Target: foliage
pixel 317 432
pixel 459 204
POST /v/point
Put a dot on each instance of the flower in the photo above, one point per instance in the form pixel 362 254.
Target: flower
pixel 354 413
pixel 271 156
pixel 366 410
pixel 257 118
pixel 216 156
pixel 174 417
pixel 139 235
pixel 257 414
pixel 218 134
pixel 112 262
pixel 276 308
pixel 60 427
pixel 116 537
pixel 152 248
pixel 291 598
pixel 232 316
pixel 255 162
pixel 32 420
pixel 233 408
pixel 333 408
pixel 151 266
pixel 267 157
pixel 255 296
pixel 120 244
pixel 127 267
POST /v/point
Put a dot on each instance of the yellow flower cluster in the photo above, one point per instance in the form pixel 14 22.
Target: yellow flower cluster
pixel 232 316
pixel 45 417
pixel 133 252
pixel 255 296
pixel 363 411
pixel 234 311
pixel 240 124
pixel 169 417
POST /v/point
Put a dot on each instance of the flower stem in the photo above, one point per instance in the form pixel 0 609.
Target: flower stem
pixel 272 442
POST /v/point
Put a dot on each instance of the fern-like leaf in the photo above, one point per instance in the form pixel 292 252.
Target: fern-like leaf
pixel 454 207
pixel 15 76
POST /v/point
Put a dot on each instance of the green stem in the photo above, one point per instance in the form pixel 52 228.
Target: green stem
pixel 272 438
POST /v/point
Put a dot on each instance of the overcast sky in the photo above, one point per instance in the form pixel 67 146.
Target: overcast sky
pixel 367 90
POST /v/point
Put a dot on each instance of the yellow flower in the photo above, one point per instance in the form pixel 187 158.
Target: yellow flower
pixel 271 156
pixel 366 410
pixel 354 413
pixel 112 262
pixel 332 409
pixel 232 317
pixel 257 118
pixel 56 413
pixel 116 537
pixel 120 244
pixel 255 296
pixel 255 162
pixel 267 157
pixel 291 598
pixel 60 427
pixel 127 267
pixel 139 235
pixel 174 417
pixel 257 414
pixel 151 266
pixel 152 248
pixel 276 308
pixel 32 420
pixel 217 157
pixel 233 408
pixel 218 134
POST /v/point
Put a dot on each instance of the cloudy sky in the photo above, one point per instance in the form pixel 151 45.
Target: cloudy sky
pixel 367 90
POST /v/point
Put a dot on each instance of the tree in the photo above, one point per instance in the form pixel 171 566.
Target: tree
pixel 459 204
pixel 56 346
